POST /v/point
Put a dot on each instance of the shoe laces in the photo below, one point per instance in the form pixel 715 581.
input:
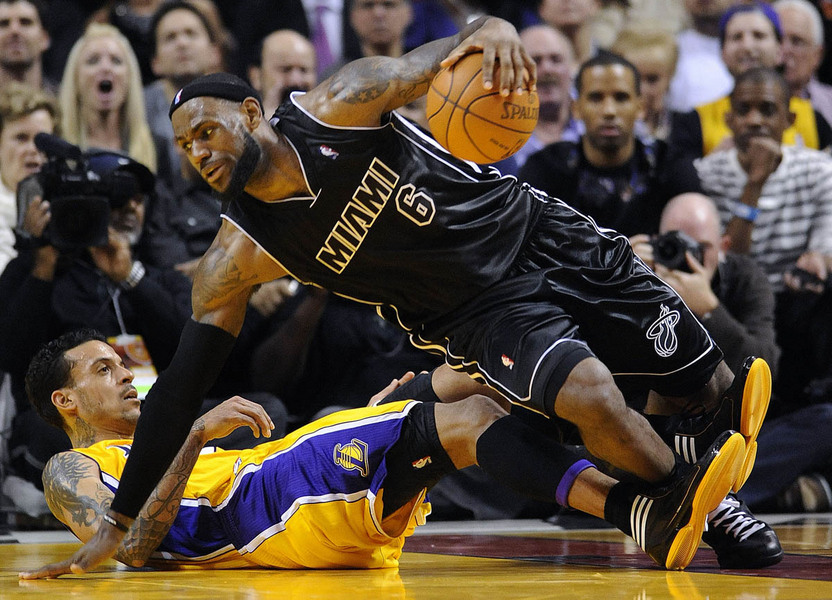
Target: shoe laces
pixel 734 519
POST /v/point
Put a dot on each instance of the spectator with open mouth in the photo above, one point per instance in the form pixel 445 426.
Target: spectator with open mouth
pixel 101 97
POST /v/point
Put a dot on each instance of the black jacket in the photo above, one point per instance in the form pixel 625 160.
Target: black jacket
pixel 36 311
pixel 629 198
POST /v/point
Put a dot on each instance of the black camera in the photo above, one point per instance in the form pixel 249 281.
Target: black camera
pixel 669 250
pixel 81 188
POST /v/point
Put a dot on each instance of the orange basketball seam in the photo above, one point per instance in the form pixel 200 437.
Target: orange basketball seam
pixel 456 104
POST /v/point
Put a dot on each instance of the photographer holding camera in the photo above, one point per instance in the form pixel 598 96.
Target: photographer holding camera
pixel 775 202
pixel 79 264
pixel 728 292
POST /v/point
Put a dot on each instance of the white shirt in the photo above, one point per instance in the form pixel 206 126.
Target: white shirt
pixel 8 221
pixel 795 205
pixel 701 76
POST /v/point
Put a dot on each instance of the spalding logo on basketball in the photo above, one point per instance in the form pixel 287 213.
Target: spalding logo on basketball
pixel 477 124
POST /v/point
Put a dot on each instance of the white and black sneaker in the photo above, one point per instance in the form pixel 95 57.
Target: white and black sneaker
pixel 743 408
pixel 741 540
pixel 667 522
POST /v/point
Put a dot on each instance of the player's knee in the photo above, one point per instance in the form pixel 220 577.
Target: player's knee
pixel 483 411
pixel 473 414
pixel 460 425
pixel 589 396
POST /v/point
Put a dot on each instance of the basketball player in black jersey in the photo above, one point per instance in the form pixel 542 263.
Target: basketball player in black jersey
pixel 519 290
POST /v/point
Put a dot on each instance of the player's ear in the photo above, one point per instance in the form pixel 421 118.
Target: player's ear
pixel 62 400
pixel 253 112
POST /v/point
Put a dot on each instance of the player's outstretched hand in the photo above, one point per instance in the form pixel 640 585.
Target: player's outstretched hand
pixel 101 546
pixel 500 45
pixel 231 414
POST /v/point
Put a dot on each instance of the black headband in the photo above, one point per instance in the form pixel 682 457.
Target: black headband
pixel 217 85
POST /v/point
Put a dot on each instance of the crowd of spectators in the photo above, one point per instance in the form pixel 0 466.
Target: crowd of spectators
pixel 711 118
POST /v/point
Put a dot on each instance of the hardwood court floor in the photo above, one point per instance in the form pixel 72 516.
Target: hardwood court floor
pixel 450 561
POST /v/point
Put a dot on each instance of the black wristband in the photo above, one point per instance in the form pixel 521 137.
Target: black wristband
pixel 419 388
pixel 169 411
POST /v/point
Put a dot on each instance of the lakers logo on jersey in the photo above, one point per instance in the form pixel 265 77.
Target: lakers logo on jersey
pixel 352 456
pixel 663 332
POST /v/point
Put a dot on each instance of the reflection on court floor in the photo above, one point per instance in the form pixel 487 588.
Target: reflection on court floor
pixel 445 561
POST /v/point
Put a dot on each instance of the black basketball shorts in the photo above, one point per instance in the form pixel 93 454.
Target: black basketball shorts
pixel 575 291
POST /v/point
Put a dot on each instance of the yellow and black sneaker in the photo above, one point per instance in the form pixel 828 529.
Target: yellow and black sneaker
pixel 743 409
pixel 667 522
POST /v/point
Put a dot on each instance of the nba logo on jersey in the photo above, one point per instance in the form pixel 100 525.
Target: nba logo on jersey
pixel 328 152
pixel 352 457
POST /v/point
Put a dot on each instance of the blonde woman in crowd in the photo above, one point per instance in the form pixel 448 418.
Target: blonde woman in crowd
pixel 654 53
pixel 101 99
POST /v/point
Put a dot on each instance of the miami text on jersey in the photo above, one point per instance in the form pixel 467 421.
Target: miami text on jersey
pixel 358 216
pixel 367 201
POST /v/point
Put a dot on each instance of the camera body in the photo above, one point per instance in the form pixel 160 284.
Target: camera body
pixel 80 196
pixel 669 250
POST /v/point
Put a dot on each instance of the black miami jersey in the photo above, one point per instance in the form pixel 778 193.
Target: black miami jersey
pixel 511 286
pixel 390 219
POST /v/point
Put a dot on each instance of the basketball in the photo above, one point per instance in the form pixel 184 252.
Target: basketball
pixel 477 124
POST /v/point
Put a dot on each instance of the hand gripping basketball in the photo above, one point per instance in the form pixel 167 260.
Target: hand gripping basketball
pixel 474 123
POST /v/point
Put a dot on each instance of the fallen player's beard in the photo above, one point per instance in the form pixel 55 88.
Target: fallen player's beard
pixel 243 171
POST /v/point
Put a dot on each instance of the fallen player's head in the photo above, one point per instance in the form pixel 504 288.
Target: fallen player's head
pixel 78 380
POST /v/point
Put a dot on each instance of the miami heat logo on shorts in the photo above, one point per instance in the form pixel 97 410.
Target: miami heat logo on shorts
pixel 663 332
pixel 352 456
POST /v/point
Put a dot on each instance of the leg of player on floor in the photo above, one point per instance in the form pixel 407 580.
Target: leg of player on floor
pixel 666 520
pixel 739 539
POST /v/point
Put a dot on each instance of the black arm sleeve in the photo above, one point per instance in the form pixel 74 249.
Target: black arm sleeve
pixel 170 409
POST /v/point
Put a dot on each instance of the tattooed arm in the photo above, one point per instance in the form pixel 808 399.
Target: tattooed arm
pixel 363 90
pixel 227 275
pixel 77 497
